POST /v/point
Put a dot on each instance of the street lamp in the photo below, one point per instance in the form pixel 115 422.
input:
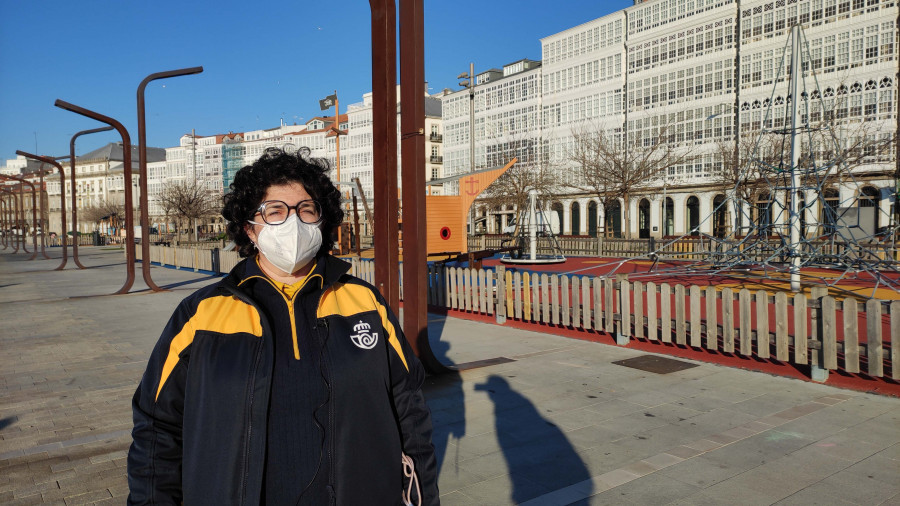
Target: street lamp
pixel 469 82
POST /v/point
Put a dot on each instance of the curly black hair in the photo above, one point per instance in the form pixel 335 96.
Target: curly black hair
pixel 276 167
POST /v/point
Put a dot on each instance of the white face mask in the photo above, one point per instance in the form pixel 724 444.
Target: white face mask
pixel 290 245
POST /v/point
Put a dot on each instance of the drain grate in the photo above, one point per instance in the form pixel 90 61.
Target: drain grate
pixel 655 364
pixel 482 363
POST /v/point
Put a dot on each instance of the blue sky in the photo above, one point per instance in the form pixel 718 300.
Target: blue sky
pixel 263 61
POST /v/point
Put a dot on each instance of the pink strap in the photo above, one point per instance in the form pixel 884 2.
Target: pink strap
pixel 409 470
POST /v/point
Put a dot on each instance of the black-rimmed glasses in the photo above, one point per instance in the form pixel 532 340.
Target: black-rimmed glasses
pixel 276 212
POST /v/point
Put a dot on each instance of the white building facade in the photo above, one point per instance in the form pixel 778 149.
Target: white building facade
pixel 710 72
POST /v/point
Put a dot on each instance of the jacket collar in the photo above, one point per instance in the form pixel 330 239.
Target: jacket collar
pixel 327 271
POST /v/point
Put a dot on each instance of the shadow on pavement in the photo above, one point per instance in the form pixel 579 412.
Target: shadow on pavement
pixel 445 396
pixel 536 451
pixel 190 281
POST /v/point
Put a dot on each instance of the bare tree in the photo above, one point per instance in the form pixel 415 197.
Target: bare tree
pixel 613 167
pixel 109 210
pixel 836 140
pixel 187 202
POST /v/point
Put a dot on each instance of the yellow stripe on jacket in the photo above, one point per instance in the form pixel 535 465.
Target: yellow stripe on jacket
pixel 223 314
pixel 347 299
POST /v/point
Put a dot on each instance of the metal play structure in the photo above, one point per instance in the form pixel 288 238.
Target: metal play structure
pixel 805 232
pixel 534 226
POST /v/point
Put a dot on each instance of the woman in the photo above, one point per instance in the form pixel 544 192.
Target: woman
pixel 289 381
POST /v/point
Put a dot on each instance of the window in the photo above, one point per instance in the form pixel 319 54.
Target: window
pixel 872 46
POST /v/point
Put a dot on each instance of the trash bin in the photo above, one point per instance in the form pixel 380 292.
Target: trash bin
pixel 216 266
pixel 97 238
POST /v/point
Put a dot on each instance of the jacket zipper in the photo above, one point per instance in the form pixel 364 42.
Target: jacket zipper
pixel 322 323
pixel 266 330
pixel 250 422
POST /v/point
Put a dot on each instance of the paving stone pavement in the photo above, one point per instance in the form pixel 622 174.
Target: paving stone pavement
pixel 558 423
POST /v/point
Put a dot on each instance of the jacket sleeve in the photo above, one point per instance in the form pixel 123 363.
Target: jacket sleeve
pixel 154 459
pixel 407 377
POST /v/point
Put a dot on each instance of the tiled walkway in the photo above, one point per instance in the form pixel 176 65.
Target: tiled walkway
pixel 556 423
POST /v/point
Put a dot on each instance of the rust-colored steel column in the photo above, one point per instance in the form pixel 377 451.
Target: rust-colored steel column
pixel 129 201
pixel 412 146
pixel 13 209
pixel 41 212
pixel 4 218
pixel 24 219
pixel 62 200
pixel 74 200
pixel 384 140
pixel 3 233
pixel 9 203
pixel 22 182
pixel 142 168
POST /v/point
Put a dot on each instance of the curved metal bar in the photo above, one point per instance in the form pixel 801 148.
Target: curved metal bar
pixel 142 168
pixel 62 200
pixel 3 221
pixel 129 209
pixel 24 219
pixel 23 182
pixel 9 219
pixel 13 209
pixel 74 200
pixel 41 212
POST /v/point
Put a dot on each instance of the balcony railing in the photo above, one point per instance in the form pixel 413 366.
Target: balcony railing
pixel 436 138
pixel 437 159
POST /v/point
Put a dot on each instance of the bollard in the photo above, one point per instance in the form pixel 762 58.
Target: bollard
pixel 215 261
pixel 500 293
pixel 623 334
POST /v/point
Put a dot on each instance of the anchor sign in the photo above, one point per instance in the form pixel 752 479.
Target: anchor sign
pixel 471 183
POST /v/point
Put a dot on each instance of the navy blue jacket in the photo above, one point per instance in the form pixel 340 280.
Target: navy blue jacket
pixel 200 411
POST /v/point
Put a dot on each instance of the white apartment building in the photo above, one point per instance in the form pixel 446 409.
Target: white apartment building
pixel 357 151
pixel 99 178
pixel 213 160
pixel 16 166
pixel 709 70
pixel 507 119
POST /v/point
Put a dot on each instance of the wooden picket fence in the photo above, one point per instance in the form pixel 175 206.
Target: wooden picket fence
pixel 198 259
pixel 820 331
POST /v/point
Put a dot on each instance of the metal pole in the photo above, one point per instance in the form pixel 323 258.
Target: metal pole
pixel 337 161
pixel 142 167
pixel 24 222
pixel 74 200
pixel 8 218
pixel 62 199
pixel 471 140
pixel 4 217
pixel 356 221
pixel 12 208
pixel 129 210
pixel 384 137
pixel 795 159
pixel 532 225
pixel 194 173
pixel 41 212
pixel 3 228
pixel 13 217
pixel 22 182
